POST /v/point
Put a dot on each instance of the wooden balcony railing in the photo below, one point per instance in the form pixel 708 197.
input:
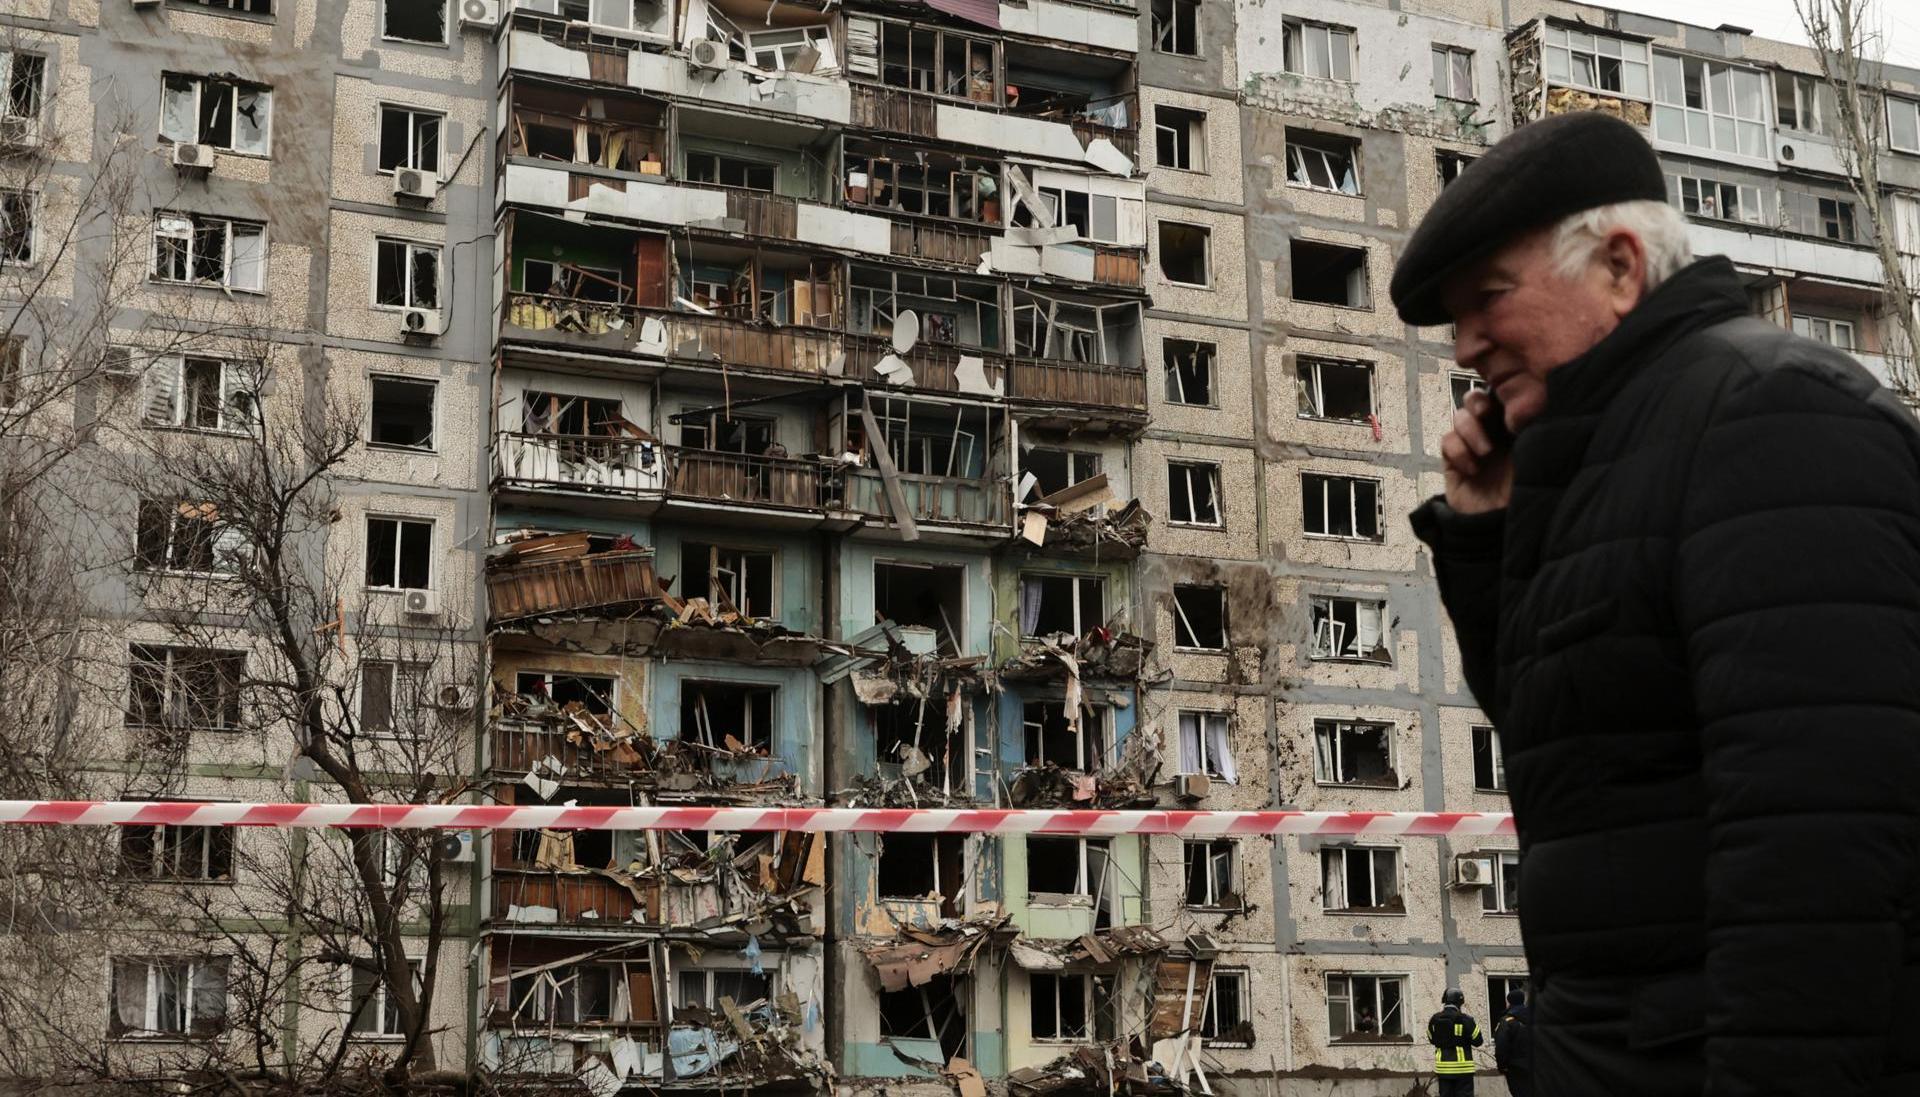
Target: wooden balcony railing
pixel 943 243
pixel 574 895
pixel 935 499
pixel 572 462
pixel 1045 381
pixel 768 215
pixel 572 585
pixel 741 478
pixel 934 366
pixel 733 340
pixel 518 744
pixel 1126 140
pixel 894 110
pixel 1117 266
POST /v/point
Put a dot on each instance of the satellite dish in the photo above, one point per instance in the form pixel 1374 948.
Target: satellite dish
pixel 906 331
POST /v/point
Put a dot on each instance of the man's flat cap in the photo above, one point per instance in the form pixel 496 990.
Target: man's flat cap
pixel 1541 173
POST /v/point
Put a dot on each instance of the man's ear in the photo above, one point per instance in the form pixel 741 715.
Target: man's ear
pixel 1624 258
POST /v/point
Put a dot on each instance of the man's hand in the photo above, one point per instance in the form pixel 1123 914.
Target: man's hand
pixel 1479 473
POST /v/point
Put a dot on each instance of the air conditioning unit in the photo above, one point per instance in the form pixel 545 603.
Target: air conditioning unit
pixel 455 847
pixel 1202 946
pixel 708 54
pixel 1192 786
pixel 146 3
pixel 423 603
pixel 420 323
pixel 198 157
pixel 1471 871
pixel 454 697
pixel 416 184
pixel 118 362
pixel 484 14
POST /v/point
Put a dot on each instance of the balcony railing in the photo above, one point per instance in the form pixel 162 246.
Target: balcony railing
pixel 737 342
pixel 935 367
pixel 574 895
pixel 933 499
pixel 571 462
pixel 1117 266
pixel 742 478
pixel 1045 381
pixel 518 744
pixel 768 215
pixel 943 243
pixel 571 585
pixel 894 110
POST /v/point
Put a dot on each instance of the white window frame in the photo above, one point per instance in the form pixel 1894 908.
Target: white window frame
pixel 1189 131
pixel 1747 207
pixel 401 522
pixel 1826 329
pixel 160 867
pixel 1085 887
pixel 414 248
pixel 559 987
pixel 1213 900
pixel 1081 622
pixel 1167 39
pixel 1205 353
pixel 224 541
pixel 447 17
pixel 1571 46
pixel 168 225
pixel 1374 854
pixel 187 968
pixel 1316 388
pixel 1809 112
pixel 1242 981
pixel 1319 51
pixel 1303 157
pixel 174 695
pixel 782 45
pixel 1354 1001
pixel 1447 77
pixel 404 678
pixel 1093 746
pixel 1330 641
pixel 711 999
pixel 7 57
pixel 263 93
pixel 1205 723
pixel 1187 469
pixel 1335 756
pixel 1749 134
pixel 1910 110
pixel 1355 509
pixel 1498 757
pixel 751 736
pixel 239 408
pixel 547 676
pixel 1493 898
pixel 721 553
pixel 413 115
pixel 30 203
pixel 376 1003
pixel 1090 1004
pixel 1472 382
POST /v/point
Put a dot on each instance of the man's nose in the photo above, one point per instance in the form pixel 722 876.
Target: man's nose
pixel 1470 342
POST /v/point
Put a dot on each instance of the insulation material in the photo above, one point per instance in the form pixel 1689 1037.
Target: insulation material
pixel 970 375
pixel 1103 155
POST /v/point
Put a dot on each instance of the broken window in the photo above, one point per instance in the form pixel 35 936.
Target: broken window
pixel 1453 74
pixel 737 580
pixel 1329 274
pixel 1051 739
pixel 390 696
pixel 1323 161
pixel 926 59
pixel 402 412
pixel 1503 897
pixel 936 184
pixel 169 852
pixel 406 274
pixel 1193 493
pixel 1315 49
pixel 1366 1007
pixel 168 997
pixel 1211 870
pixel 1176 27
pixel 1070 1006
pixel 1093 216
pixel 1803 103
pixel 1836 219
pixel 399 554
pixel 934 1012
pixel 185 536
pixel 1349 628
pixel 1459 384
pixel 1340 506
pixel 195 249
pixel 1070 604
pixel 912 738
pixel 592 692
pixel 704 987
pixel 375 1011
pixel 1714 105
pixel 715 433
pixel 1200 617
pixel 13 354
pixel 1353 752
pixel 1180 136
pixel 184 687
pixel 917 595
pixel 1057 469
pixel 730 716
pixel 1822 329
pixel 1070 331
pixel 934 439
pixel 1068 866
pixel 1227 1020
pixel 23 79
pixel 227 114
pixel 730 171
pixel 1582 59
pixel 796 49
pixel 1725 201
pixel 1335 390
pixel 1489 768
pixel 951 311
pixel 1498 987
pixel 1450 164
pixel 574 281
pixel 200 394
pixel 409 139
pixel 415 20
pixel 919 866
pixel 1361 880
pixel 16 226
pixel 569 994
pixel 1206 745
pixel 558 413
pixel 1189 371
pixel 1186 253
pixel 551 123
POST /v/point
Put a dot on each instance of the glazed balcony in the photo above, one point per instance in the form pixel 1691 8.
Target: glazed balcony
pixel 635 470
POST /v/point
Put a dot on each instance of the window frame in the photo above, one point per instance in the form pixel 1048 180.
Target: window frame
pixel 1092 740
pixel 1187 129
pixel 403 676
pixel 1213 899
pixel 1170 30
pixel 447 17
pixel 1305 146
pixel 1180 618
pixel 1335 756
pixel 236 401
pixel 402 522
pixel 1091 1003
pixel 1496 758
pixel 1374 854
pixel 748 735
pixel 413 114
pixel 215 844
pixel 30 202
pixel 432 384
pixel 228 669
pixel 1711 110
pixel 1809 109
pixel 717 551
pixel 376 997
pixel 1493 898
pixel 8 59
pixel 165 224
pixel 1353 1003
pixel 1242 996
pixel 1083 625
pixel 201 82
pixel 413 249
pixel 1472 381
pixel 1355 510
pixel 711 999
pixel 1085 886
pixel 1206 250
pixel 1832 325
pixel 186 968
pixel 1317 388
pixel 1594 52
pixel 1378 607
pixel 1294 44
pixel 1444 56
pixel 1205 722
pixel 221 540
pixel 1912 114
pixel 1193 520
pixel 1206 354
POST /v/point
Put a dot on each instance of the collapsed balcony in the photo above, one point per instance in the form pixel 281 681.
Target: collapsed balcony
pixel 612 133
pixel 1093 93
pixel 570 573
pixel 912 329
pixel 924 461
pixel 1073 520
pixel 643 469
pixel 923 972
pixel 1072 762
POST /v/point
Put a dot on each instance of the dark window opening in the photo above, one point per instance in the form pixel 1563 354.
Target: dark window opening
pixel 1347 752
pixel 562 414
pixel 390 696
pixel 1836 219
pixel 1200 617
pixel 923 596
pixel 1180 138
pixel 705 987
pixel 407 275
pixel 1362 880
pixel 1336 390
pixel 416 20
pixel 935 1010
pixel 1323 161
pixel 1193 494
pixel 25 77
pixel 736 580
pixel 1176 27
pixel 911 725
pixel 1071 1006
pixel 178 536
pixel 1451 164
pixel 729 716
pixel 177 852
pixel 1209 873
pixel 1340 506
pixel 922 866
pixel 1225 1019
pixel 1328 274
pixel 1489 768
pixel 741 435
pixel 399 554
pixel 1050 739
pixel 409 139
pixel 402 413
pixel 592 692
pixel 729 171
pixel 1185 253
pixel 1189 370
pixel 1057 469
pixel 1051 604
pixel 1053 866
pixel 184 687
pixel 1347 628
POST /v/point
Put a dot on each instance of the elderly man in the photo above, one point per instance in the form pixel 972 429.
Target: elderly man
pixel 1681 551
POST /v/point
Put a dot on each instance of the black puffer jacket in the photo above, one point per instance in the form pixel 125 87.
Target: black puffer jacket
pixel 1697 625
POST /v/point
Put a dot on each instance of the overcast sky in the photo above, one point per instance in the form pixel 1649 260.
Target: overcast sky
pixel 1899 19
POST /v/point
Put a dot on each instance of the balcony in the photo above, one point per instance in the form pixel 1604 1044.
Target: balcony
pixel 1080 385
pixel 760 213
pixel 518 744
pixel 576 897
pixel 934 500
pixel 575 324
pixel 935 368
pixel 572 584
pixel 740 478
pixel 894 110
pixel 642 470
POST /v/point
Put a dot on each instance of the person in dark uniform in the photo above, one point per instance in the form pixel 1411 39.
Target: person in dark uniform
pixel 1454 1034
pixel 1513 1044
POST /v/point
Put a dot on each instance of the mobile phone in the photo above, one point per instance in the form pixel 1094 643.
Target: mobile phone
pixel 1494 422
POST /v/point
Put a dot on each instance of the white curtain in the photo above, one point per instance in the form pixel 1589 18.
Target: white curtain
pixel 1220 750
pixel 1190 742
pixel 1335 866
pixel 1029 605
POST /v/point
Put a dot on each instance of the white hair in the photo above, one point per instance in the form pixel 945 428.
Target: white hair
pixel 1661 229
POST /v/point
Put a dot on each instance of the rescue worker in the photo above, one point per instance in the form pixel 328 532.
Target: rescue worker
pixel 1454 1034
pixel 1513 1044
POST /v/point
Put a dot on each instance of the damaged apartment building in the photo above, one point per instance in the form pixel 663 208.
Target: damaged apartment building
pixel 895 404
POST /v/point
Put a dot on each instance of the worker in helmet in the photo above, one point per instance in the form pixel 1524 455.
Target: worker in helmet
pixel 1454 1034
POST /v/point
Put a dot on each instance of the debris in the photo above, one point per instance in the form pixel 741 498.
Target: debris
pixel 964 1075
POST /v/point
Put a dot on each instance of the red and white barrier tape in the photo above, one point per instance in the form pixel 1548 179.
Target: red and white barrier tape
pixel 514 817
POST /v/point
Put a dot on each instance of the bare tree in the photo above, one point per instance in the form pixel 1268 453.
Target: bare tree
pixel 1849 50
